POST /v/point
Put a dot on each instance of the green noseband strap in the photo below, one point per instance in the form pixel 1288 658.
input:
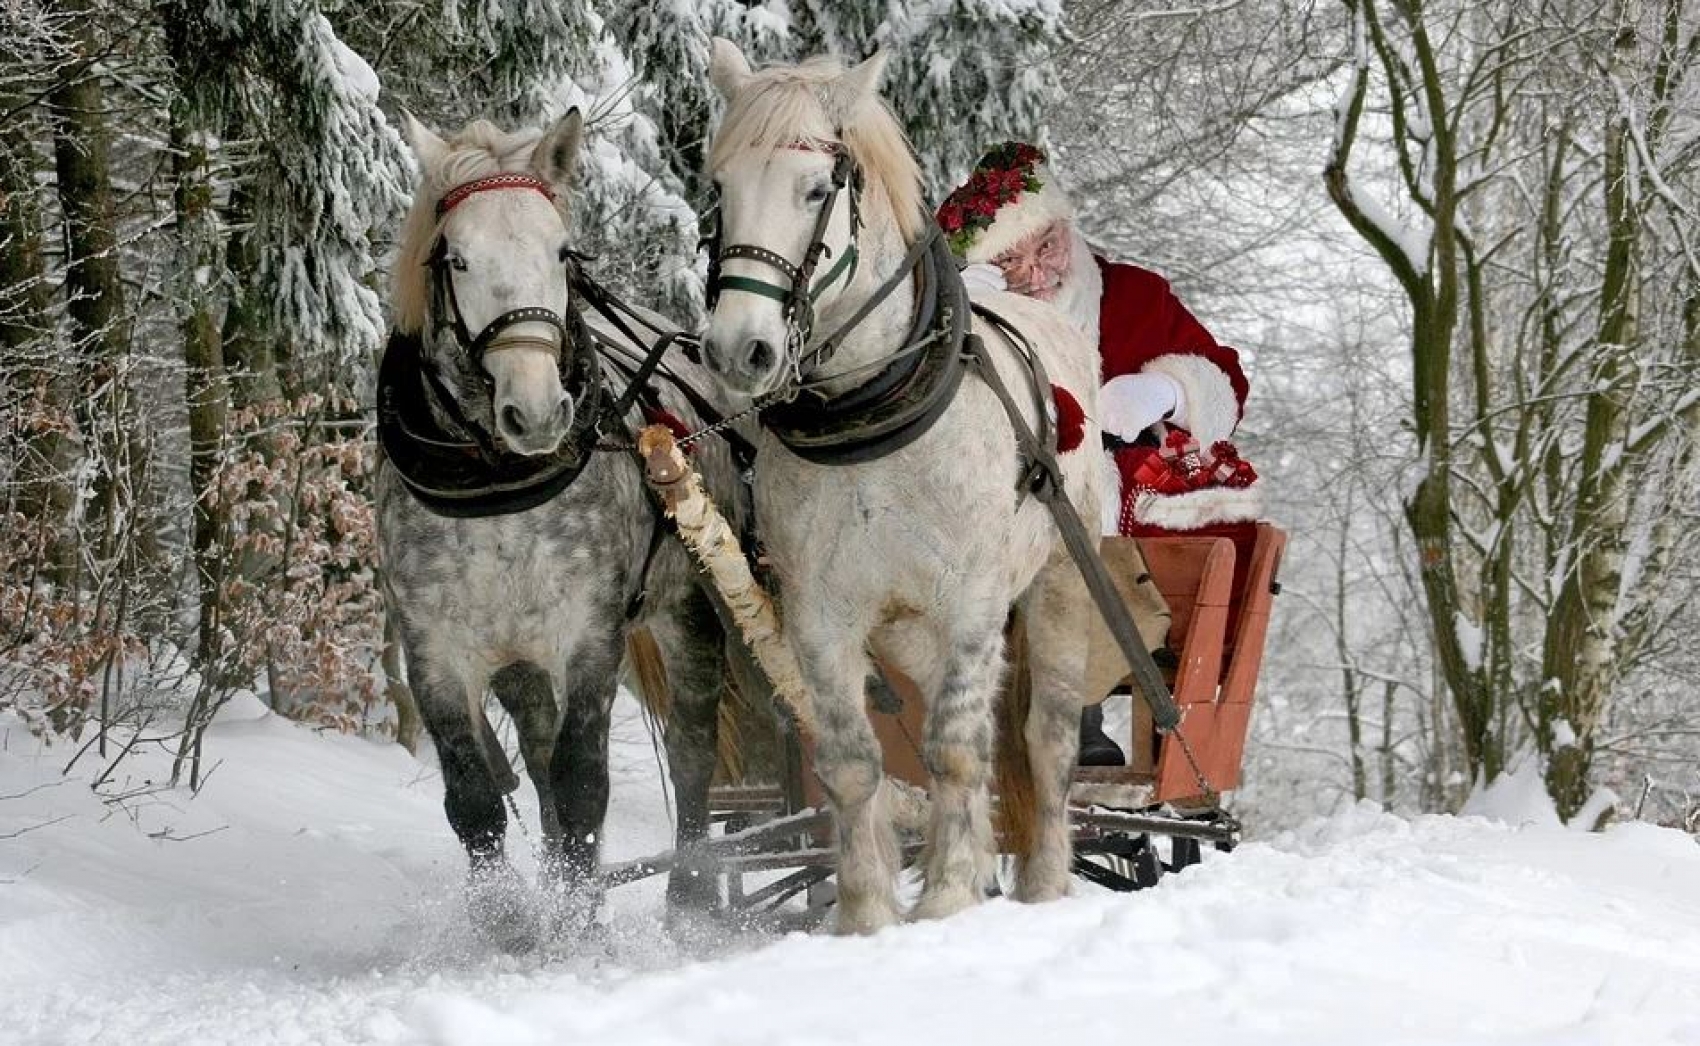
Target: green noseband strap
pixel 754 286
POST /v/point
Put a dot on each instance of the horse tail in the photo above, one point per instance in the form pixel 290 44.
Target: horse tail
pixel 1017 801
pixel 649 672
pixel 731 763
pixel 736 714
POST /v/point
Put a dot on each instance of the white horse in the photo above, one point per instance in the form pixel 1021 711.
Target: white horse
pixel 916 556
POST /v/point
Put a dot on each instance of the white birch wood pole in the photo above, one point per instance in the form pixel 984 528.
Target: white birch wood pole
pixel 714 543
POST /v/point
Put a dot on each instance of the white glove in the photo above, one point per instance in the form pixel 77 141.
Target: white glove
pixel 983 276
pixel 1132 403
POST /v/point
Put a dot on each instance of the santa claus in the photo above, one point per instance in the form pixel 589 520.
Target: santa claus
pixel 1172 395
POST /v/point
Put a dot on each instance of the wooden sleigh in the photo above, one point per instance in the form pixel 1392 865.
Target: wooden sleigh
pixel 1130 823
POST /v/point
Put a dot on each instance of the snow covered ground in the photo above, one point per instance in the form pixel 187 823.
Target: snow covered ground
pixel 322 907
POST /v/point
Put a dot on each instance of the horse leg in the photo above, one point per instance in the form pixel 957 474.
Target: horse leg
pixel 957 750
pixel 692 646
pixel 578 774
pixel 851 768
pixel 524 691
pixel 472 798
pixel 1056 611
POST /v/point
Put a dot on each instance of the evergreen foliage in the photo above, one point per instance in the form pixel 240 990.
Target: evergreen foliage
pixel 218 423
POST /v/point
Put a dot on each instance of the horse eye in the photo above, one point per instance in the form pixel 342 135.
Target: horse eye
pixel 564 253
pixel 816 193
pixel 456 262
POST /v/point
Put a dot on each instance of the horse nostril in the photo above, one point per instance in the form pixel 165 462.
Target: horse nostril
pixel 711 354
pixel 513 420
pixel 760 355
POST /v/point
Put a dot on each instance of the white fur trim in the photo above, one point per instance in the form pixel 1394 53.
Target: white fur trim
pixel 1212 409
pixel 1081 296
pixel 983 276
pixel 1031 212
pixel 1110 515
pixel 1199 508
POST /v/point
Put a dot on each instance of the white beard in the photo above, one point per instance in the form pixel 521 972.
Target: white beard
pixel 1082 289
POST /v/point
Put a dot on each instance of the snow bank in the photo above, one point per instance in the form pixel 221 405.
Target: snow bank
pixel 325 911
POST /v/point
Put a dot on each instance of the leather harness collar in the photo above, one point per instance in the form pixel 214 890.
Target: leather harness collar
pixel 451 465
pixel 906 397
pixel 454 469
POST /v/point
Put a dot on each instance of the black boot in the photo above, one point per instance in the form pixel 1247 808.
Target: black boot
pixel 1096 748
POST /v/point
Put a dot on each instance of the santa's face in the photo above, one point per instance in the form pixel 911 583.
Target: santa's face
pixel 1038 265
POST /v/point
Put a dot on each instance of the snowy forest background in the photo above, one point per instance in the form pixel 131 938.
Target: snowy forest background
pixel 1456 242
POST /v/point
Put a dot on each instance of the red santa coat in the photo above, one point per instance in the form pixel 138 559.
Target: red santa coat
pixel 1140 320
pixel 1143 327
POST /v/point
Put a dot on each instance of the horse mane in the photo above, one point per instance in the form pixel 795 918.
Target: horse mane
pixel 477 150
pixel 782 105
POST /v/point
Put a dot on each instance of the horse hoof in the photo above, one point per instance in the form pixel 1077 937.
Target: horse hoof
pixel 692 892
pixel 573 911
pixel 500 907
pixel 943 903
pixel 862 920
pixel 1041 893
pixel 702 931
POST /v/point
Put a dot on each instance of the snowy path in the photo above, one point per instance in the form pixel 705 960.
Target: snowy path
pixel 324 910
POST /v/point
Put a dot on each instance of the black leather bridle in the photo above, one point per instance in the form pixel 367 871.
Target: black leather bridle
pixel 446 314
pixel 798 295
pixel 452 464
pixel 899 396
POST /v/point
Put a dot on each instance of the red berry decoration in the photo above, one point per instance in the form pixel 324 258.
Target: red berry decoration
pixel 1005 172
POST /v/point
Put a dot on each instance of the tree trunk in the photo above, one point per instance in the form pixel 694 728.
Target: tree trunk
pixel 45 434
pixel 1431 285
pixel 92 286
pixel 249 354
pixel 1583 632
pixel 94 292
pixel 1350 688
pixel 1389 777
pixel 204 388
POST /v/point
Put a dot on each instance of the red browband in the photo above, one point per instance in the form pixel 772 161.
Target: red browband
pixel 456 196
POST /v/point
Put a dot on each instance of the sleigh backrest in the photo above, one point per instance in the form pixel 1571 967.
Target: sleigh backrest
pixel 1220 589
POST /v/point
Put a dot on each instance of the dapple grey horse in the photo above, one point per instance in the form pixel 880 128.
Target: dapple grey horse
pixel 534 604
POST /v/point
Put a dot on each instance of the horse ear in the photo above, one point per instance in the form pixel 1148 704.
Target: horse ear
pixel 728 69
pixel 556 153
pixel 428 149
pixel 858 86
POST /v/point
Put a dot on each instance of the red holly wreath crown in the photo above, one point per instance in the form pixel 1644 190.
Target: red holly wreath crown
pixel 1000 177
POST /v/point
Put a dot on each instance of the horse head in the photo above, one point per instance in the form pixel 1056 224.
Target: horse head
pixel 484 273
pixel 808 162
